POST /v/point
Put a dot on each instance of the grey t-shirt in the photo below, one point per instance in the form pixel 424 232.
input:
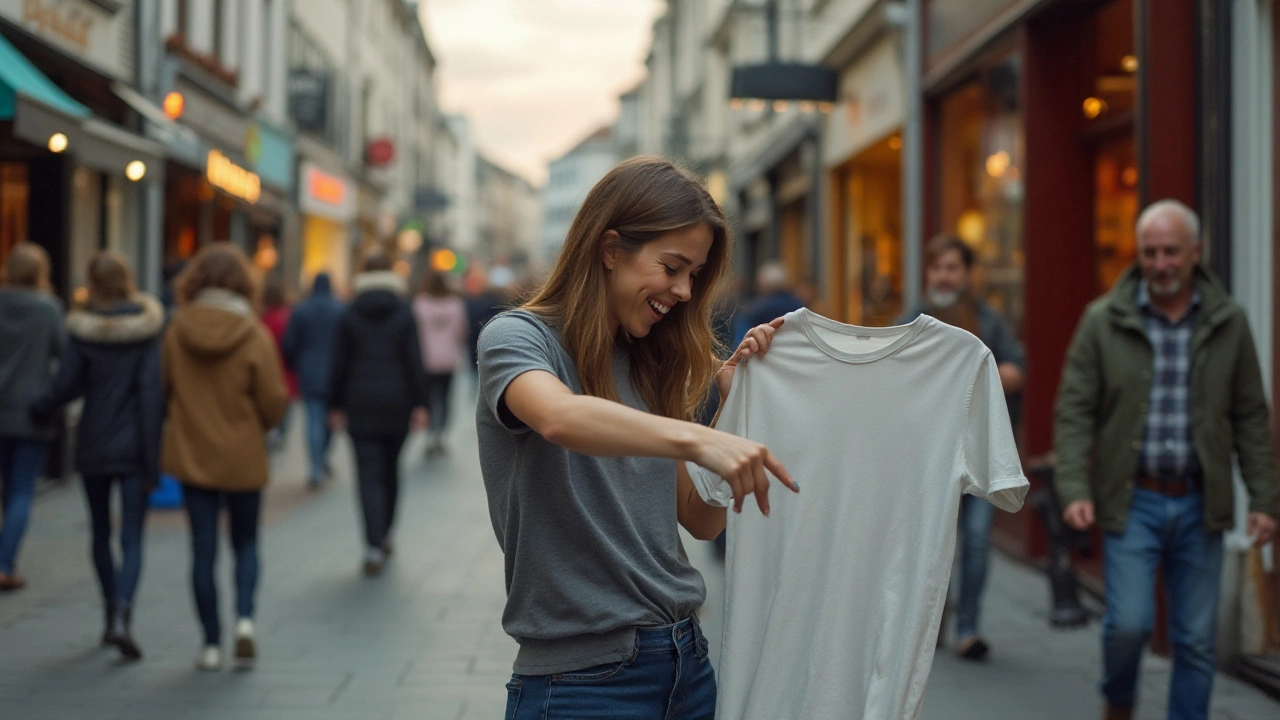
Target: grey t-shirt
pixel 592 545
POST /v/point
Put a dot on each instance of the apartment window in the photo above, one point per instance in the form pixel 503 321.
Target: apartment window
pixel 184 18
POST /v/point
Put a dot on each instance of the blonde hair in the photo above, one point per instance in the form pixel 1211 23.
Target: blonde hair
pixel 640 199
pixel 27 267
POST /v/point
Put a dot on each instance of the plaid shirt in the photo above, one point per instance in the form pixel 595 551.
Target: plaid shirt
pixel 1167 447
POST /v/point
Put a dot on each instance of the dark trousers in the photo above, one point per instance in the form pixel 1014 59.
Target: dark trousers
pixel 118 583
pixel 378 469
pixel 243 508
pixel 438 400
pixel 21 462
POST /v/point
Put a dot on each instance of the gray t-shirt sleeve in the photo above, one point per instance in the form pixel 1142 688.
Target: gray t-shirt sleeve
pixel 511 345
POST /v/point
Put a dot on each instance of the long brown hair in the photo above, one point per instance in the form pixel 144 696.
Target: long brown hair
pixel 27 267
pixel 109 279
pixel 218 265
pixel 641 199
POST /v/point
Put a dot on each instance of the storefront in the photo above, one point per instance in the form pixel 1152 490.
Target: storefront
pixel 1047 126
pixel 327 201
pixel 72 172
pixel 230 178
pixel 862 147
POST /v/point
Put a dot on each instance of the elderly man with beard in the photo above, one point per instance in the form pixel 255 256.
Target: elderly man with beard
pixel 949 298
pixel 1161 387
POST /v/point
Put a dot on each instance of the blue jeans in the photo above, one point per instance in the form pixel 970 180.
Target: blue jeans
pixel 318 434
pixel 118 585
pixel 21 461
pixel 1168 532
pixel 975 550
pixel 202 508
pixel 668 676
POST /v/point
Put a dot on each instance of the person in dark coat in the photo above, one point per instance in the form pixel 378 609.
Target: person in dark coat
pixel 774 300
pixel 378 391
pixel 113 362
pixel 308 351
pixel 31 339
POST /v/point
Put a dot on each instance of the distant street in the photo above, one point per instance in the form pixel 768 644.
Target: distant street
pixel 424 641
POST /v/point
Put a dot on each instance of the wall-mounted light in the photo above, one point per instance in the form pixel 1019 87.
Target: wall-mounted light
pixel 895 142
pixel 736 104
pixel 756 105
pixel 807 106
pixel 1094 107
pixel 58 142
pixel 826 107
pixel 998 163
pixel 1129 63
pixel 781 106
pixel 135 170
pixel 174 105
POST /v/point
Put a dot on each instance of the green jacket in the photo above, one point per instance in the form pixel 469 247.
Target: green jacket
pixel 1102 406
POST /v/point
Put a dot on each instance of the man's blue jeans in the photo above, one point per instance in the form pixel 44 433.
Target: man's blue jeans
pixel 21 461
pixel 667 676
pixel 1169 533
pixel 975 550
pixel 318 435
pixel 243 508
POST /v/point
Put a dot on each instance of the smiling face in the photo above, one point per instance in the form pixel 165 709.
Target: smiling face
pixel 1167 254
pixel 644 287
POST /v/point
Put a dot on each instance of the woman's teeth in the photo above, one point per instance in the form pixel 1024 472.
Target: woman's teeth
pixel 659 307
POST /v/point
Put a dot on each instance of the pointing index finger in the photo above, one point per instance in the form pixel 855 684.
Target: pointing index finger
pixel 775 466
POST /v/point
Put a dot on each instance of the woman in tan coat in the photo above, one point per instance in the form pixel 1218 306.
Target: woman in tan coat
pixel 224 391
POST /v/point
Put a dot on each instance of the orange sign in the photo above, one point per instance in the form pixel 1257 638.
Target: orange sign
pixel 326 188
pixel 231 178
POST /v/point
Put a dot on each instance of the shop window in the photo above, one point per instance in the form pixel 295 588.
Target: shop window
pixel 14 191
pixel 1108 101
pixel 870 217
pixel 981 190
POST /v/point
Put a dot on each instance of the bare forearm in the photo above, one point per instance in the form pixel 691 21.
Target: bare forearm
pixel 593 426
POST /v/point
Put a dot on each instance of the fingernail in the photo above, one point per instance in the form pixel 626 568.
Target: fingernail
pixel 793 482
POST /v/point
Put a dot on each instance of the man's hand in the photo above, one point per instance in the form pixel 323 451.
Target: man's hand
pixel 1261 528
pixel 420 419
pixel 1079 515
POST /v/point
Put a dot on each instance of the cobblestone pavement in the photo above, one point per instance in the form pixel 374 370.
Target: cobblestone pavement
pixel 423 641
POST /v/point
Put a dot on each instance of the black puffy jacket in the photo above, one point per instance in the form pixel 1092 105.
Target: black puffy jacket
pixel 378 376
pixel 112 360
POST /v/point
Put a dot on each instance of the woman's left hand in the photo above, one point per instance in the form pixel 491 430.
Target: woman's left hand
pixel 755 343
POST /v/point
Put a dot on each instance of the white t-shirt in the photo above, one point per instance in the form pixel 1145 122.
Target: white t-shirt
pixel 833 602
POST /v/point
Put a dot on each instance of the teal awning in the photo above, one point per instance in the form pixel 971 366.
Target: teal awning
pixel 18 75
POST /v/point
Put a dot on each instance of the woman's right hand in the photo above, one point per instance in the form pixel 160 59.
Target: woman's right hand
pixel 741 463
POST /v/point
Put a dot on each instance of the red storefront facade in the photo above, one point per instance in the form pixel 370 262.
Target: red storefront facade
pixel 1048 125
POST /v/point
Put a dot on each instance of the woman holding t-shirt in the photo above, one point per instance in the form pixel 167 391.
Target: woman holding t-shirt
pixel 586 396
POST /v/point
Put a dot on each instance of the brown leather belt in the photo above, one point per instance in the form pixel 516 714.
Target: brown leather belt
pixel 1170 488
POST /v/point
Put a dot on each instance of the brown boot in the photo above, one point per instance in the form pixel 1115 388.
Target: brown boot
pixel 1113 712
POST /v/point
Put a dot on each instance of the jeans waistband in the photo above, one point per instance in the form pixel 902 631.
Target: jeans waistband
pixel 667 637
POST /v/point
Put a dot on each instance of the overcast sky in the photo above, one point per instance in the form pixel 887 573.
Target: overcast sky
pixel 536 76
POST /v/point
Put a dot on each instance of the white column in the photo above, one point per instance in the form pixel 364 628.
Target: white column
pixel 200 25
pixel 277 60
pixel 251 24
pixel 231 32
pixel 168 17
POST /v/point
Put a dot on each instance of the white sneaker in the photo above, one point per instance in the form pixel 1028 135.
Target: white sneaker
pixel 246 646
pixel 373 561
pixel 210 659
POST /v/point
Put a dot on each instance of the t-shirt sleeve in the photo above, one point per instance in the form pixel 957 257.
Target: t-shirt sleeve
pixel 711 487
pixel 989 463
pixel 511 345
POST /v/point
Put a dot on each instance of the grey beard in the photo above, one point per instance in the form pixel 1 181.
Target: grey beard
pixel 942 300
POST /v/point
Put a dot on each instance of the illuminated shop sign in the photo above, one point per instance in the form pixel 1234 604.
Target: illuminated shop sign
pixel 231 178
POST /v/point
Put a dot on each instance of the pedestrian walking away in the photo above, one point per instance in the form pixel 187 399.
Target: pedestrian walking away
pixel 275 316
pixel 587 399
pixel 32 338
pixel 112 361
pixel 378 392
pixel 949 297
pixel 1161 384
pixel 224 392
pixel 308 349
pixel 442 332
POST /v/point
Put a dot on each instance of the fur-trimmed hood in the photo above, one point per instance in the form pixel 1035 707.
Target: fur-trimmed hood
pixel 381 280
pixel 140 318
